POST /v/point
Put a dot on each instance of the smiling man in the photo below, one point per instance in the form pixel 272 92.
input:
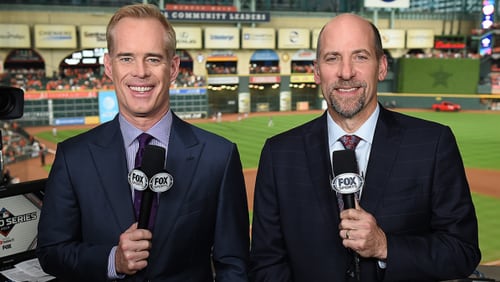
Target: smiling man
pixel 88 229
pixel 413 219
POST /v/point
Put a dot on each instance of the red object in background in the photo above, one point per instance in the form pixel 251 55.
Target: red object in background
pixel 446 106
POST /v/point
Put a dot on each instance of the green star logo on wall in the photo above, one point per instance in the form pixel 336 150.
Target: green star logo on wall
pixel 440 77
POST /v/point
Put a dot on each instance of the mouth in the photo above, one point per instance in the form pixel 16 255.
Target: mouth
pixel 347 90
pixel 141 89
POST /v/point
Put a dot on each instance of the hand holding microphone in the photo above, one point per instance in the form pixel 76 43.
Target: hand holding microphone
pixel 359 228
pixel 347 182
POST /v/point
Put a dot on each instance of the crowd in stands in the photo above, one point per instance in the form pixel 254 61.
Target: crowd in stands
pixel 69 79
pixel 221 68
pixel 302 67
pixel 186 78
pixel 17 144
pixel 262 68
pixel 80 79
pixel 441 54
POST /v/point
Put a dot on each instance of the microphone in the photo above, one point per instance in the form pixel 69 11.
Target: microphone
pixel 153 161
pixel 150 175
pixel 347 181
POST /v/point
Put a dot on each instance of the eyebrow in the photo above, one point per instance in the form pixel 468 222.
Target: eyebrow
pixel 129 54
pixel 357 51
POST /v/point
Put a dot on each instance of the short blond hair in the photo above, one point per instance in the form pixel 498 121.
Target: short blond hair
pixel 142 11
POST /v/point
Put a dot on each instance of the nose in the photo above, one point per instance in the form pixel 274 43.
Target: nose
pixel 346 70
pixel 141 68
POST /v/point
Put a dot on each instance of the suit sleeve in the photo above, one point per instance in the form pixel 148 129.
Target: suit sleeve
pixel 231 245
pixel 449 248
pixel 268 254
pixel 60 248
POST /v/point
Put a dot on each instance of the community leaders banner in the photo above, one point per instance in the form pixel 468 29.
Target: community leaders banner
pixel 387 3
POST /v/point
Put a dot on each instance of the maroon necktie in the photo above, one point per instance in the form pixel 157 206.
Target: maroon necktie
pixel 350 142
pixel 143 139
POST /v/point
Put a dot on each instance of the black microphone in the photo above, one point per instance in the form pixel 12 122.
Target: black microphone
pixel 153 161
pixel 347 181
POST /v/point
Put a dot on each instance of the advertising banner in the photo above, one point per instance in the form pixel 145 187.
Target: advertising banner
pixel 265 79
pixel 108 106
pixel 93 36
pixel 315 35
pixel 220 17
pixel 293 38
pixel 188 37
pixel 419 38
pixel 222 38
pixel 392 38
pixel 55 36
pixel 258 38
pixel 38 95
pixel 15 36
pixel 221 80
pixel 387 3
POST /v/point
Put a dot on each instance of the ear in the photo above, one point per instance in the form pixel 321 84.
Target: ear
pixel 107 66
pixel 174 67
pixel 382 68
pixel 317 78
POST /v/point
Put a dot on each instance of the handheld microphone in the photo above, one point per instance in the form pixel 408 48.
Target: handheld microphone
pixel 153 161
pixel 347 181
pixel 150 175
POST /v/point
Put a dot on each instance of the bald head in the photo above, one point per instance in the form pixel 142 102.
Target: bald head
pixel 344 26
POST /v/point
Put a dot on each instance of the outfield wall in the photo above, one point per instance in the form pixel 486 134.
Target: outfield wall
pixel 425 100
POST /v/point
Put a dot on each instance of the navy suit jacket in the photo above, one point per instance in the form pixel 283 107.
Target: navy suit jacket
pixel 415 187
pixel 202 221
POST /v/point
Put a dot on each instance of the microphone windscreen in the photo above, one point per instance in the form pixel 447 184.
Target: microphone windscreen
pixel 153 160
pixel 152 163
pixel 344 161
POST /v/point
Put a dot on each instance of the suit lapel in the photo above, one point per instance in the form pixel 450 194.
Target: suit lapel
pixel 183 153
pixel 318 161
pixel 386 143
pixel 108 154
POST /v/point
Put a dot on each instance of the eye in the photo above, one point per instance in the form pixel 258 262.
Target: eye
pixel 331 58
pixel 361 57
pixel 153 60
pixel 125 59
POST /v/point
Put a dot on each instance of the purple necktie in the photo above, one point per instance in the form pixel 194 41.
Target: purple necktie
pixel 143 140
pixel 350 142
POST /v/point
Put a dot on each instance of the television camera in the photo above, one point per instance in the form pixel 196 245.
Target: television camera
pixel 11 107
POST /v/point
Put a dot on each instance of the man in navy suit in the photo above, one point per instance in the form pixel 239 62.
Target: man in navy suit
pixel 88 230
pixel 415 220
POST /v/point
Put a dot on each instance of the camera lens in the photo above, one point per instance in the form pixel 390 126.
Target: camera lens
pixel 7 104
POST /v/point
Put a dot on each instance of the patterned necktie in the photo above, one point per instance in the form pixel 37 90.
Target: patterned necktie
pixel 143 140
pixel 350 142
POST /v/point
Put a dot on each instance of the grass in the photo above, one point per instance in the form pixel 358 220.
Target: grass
pixel 477 135
pixel 487 211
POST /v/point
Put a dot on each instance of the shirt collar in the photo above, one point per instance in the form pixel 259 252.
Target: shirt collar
pixel 366 131
pixel 158 131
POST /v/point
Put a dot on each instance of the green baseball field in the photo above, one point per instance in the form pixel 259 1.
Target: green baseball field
pixel 477 133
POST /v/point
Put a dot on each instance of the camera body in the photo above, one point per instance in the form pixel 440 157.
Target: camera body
pixel 11 102
pixel 11 107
